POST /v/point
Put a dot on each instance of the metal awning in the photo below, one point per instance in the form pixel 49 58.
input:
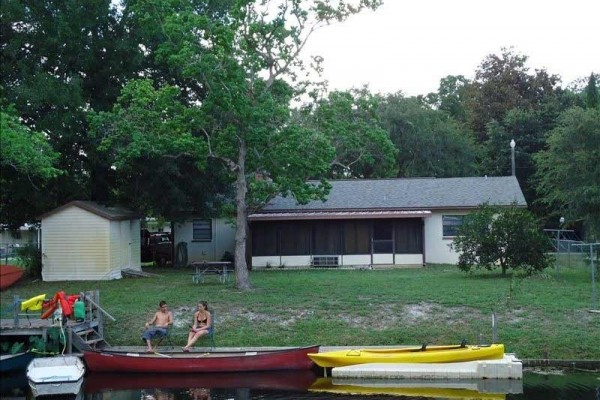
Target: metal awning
pixel 316 215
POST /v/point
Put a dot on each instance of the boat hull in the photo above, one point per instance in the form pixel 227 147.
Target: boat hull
pixel 175 362
pixel 15 362
pixel 9 275
pixel 433 354
pixel 50 376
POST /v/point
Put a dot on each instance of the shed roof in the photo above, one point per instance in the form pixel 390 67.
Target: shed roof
pixel 410 194
pixel 111 213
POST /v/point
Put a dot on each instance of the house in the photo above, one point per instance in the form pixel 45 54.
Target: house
pixel 10 241
pixel 374 222
pixel 206 239
pixel 83 240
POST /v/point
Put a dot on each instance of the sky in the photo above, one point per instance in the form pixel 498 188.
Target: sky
pixel 409 45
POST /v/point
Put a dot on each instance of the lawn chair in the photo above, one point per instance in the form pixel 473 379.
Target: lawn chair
pixel 166 338
pixel 211 335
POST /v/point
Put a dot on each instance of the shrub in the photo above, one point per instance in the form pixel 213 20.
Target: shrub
pixel 30 257
pixel 509 238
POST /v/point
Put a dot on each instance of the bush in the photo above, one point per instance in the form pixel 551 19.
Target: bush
pixel 30 257
pixel 509 238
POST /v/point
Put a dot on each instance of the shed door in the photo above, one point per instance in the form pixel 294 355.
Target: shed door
pixel 125 245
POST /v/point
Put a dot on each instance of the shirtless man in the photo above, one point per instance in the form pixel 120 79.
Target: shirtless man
pixel 160 321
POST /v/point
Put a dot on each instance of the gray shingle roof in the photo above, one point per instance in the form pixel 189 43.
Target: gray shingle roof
pixel 110 213
pixel 411 193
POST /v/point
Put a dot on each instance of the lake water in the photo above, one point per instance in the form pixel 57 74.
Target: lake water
pixel 307 385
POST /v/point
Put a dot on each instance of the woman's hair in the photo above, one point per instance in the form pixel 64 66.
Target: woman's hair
pixel 204 303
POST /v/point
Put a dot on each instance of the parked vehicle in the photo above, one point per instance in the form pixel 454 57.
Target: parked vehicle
pixel 156 247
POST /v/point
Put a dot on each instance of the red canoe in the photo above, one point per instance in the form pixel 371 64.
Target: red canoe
pixel 9 275
pixel 274 380
pixel 174 362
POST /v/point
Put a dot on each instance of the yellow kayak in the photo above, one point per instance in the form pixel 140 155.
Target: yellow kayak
pixel 404 389
pixel 430 354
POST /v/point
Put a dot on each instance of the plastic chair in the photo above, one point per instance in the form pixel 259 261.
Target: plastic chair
pixel 211 335
pixel 166 338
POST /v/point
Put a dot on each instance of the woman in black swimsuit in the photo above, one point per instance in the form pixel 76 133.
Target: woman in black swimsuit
pixel 202 325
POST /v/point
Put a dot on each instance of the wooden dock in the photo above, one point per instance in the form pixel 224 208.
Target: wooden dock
pixel 80 335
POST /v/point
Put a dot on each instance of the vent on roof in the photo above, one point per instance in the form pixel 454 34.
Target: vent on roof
pixel 325 261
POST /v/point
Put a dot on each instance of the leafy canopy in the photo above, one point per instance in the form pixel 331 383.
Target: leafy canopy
pixel 568 173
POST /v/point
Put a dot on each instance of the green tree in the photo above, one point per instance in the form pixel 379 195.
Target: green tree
pixel 28 163
pixel 502 83
pixel 568 175
pixel 362 147
pixel 451 97
pixel 428 142
pixel 509 238
pixel 60 59
pixel 24 150
pixel 248 68
pixel 592 98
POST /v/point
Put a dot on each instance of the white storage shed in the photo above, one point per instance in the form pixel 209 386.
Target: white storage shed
pixel 83 240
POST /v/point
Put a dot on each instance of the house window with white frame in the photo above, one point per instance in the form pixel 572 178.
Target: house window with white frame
pixel 451 223
pixel 202 230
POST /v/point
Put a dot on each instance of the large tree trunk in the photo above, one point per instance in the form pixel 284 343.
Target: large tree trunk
pixel 241 269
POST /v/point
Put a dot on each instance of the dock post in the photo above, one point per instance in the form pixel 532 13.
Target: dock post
pixel 494 328
pixel 16 308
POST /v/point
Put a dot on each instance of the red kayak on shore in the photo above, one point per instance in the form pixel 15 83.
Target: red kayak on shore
pixel 294 358
pixel 9 275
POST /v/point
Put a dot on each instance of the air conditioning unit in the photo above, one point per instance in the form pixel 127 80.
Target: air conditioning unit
pixel 325 261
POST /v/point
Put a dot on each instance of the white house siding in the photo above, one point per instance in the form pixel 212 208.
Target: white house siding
pixel 75 246
pixel 223 239
pixel 26 236
pixel 437 247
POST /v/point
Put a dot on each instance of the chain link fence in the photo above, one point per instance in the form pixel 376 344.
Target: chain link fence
pixel 8 252
pixel 572 253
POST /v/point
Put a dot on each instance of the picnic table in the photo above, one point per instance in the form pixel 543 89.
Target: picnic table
pixel 203 268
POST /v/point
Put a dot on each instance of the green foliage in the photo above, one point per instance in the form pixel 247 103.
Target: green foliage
pixel 428 142
pixel 54 343
pixel 509 238
pixel 569 170
pixel 362 147
pixel 59 59
pixel 592 97
pixel 502 83
pixel 12 348
pixel 30 257
pixel 26 151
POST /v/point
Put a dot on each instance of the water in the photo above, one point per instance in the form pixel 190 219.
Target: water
pixel 307 385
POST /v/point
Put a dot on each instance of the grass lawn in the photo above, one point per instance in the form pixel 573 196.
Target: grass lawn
pixel 545 316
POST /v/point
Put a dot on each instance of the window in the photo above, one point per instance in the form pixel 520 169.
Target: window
pixel 451 223
pixel 202 230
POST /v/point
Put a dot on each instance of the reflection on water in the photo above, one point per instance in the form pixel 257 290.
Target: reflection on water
pixel 305 385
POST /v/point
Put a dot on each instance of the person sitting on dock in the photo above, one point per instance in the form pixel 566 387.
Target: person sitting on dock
pixel 158 326
pixel 202 325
